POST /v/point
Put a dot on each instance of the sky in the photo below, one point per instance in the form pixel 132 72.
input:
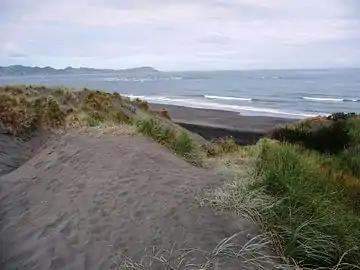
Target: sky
pixel 181 34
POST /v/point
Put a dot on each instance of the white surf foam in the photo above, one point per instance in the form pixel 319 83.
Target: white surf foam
pixel 227 98
pixel 142 79
pixel 244 110
pixel 324 99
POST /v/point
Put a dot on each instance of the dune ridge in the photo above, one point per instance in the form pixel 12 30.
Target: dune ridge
pixel 81 200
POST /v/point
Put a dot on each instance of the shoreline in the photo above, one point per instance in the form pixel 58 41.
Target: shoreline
pixel 215 124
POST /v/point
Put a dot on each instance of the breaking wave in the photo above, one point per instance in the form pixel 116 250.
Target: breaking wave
pixel 141 80
pixel 244 110
pixel 321 99
pixel 227 98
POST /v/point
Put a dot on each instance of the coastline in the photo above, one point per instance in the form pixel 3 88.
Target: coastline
pixel 214 124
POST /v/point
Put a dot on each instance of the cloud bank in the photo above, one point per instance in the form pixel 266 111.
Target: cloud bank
pixel 182 34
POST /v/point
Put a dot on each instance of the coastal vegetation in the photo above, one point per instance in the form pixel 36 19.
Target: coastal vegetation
pixel 25 109
pixel 301 184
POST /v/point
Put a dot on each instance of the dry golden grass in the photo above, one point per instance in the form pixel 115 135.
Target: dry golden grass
pixel 162 113
pixel 142 104
pixel 26 108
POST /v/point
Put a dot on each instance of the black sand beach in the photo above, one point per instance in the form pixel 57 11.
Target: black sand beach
pixel 214 124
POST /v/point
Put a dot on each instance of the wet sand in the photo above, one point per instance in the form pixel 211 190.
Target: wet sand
pixel 214 124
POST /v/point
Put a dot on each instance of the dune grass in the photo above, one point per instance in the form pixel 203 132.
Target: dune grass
pixel 221 146
pixel 307 200
pixel 310 214
pixel 27 108
pixel 179 142
pixel 162 113
pixel 225 255
pixel 303 189
pixel 142 104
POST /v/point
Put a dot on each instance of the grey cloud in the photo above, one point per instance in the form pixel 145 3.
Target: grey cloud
pixel 18 55
pixel 201 34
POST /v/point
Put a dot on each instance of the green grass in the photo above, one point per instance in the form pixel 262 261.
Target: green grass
pixel 308 211
pixel 222 146
pixel 310 214
pixel 179 142
pixel 305 196
pixel 348 161
pixel 337 136
pixel 183 144
pixel 329 134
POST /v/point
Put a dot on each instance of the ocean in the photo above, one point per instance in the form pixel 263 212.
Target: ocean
pixel 279 93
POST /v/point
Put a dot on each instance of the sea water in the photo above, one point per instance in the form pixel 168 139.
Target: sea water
pixel 282 93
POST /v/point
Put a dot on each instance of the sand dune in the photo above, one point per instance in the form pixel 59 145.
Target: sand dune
pixel 81 200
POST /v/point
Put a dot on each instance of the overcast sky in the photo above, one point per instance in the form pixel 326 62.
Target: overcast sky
pixel 181 34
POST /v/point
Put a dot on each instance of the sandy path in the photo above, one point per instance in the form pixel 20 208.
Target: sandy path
pixel 82 199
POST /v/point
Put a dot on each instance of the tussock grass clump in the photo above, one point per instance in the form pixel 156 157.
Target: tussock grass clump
pixel 222 146
pixel 348 160
pixel 142 104
pixel 310 213
pixel 17 116
pixel 183 145
pixel 98 101
pixel 20 115
pixel 162 113
pixel 180 143
pixel 25 108
pixel 50 114
pixel 153 128
pixel 227 254
pixel 103 107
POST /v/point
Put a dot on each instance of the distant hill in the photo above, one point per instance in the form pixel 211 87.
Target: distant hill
pixel 19 70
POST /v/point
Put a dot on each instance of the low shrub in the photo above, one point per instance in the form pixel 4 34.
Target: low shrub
pixel 50 114
pixel 15 90
pixel 341 116
pixel 117 97
pixel 325 135
pixel 94 118
pixel 98 101
pixel 16 115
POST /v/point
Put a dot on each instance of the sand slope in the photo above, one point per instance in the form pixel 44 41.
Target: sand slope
pixel 15 151
pixel 82 199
